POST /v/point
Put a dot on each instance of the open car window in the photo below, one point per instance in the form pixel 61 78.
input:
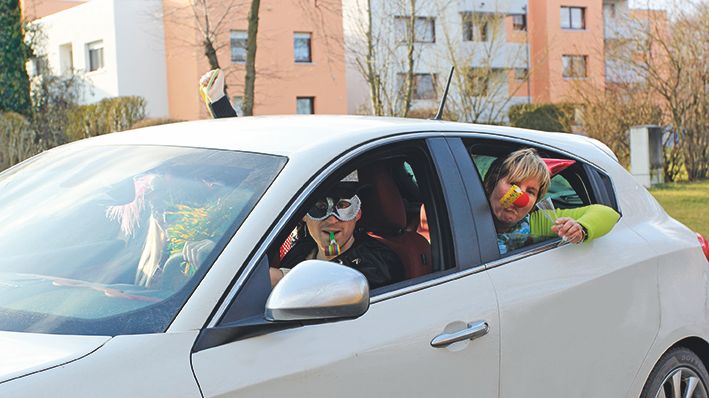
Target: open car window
pixel 403 223
pixel 574 186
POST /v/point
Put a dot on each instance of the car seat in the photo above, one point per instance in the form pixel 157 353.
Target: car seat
pixel 384 219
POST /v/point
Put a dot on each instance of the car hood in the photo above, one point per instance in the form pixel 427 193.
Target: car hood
pixel 25 353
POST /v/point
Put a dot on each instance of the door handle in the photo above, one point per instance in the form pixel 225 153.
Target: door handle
pixel 473 331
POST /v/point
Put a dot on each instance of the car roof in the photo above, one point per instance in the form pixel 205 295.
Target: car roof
pixel 328 135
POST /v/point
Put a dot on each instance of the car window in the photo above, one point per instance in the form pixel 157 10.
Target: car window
pixel 402 236
pixel 112 239
pixel 568 188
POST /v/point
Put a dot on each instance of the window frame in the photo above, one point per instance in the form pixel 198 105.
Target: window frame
pixel 519 27
pixel 572 60
pixel 430 23
pixel 570 11
pixel 440 156
pixel 401 78
pixel 303 36
pixel 594 184
pixel 98 47
pixel 311 102
pixel 475 32
pixel 232 41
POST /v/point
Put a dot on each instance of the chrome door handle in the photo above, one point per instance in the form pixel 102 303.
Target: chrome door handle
pixel 473 331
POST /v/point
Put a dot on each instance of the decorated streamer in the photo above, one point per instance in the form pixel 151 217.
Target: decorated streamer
pixel 333 249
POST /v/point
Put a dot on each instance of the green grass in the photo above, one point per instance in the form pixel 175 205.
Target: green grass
pixel 686 202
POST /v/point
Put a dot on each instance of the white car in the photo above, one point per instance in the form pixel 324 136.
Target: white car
pixel 136 265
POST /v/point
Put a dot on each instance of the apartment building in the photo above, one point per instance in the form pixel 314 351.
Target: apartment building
pixel 152 48
pixel 471 35
pixel 528 51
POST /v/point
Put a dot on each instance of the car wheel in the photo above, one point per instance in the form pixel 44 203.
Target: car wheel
pixel 678 374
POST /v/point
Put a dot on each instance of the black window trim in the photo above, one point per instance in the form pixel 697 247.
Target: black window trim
pixel 593 172
pixel 291 207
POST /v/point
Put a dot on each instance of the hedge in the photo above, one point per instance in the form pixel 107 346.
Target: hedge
pixel 545 117
pixel 106 116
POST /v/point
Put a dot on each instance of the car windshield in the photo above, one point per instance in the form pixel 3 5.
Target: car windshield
pixel 112 240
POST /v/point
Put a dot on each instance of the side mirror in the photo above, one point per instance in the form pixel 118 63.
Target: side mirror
pixel 318 290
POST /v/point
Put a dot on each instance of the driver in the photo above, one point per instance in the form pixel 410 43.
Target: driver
pixel 332 236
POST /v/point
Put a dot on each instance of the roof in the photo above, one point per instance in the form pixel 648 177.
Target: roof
pixel 329 135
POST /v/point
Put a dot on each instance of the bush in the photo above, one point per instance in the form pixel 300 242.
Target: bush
pixel 17 140
pixel 153 122
pixel 106 116
pixel 544 117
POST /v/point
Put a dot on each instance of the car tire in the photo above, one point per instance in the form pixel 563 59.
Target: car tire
pixel 677 373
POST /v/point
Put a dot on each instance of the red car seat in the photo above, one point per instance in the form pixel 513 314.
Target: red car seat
pixel 384 219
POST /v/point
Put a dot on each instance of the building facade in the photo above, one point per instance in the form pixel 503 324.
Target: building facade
pixel 153 48
pixel 506 52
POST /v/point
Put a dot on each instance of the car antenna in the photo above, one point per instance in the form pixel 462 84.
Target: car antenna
pixel 439 115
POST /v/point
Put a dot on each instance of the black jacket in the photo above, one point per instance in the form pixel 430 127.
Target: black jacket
pixel 379 264
pixel 222 108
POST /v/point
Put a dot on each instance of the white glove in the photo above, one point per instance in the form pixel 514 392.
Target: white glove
pixel 215 91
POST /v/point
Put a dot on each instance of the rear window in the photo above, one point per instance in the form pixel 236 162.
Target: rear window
pixel 112 240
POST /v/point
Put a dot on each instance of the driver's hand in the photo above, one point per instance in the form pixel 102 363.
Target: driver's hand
pixel 216 90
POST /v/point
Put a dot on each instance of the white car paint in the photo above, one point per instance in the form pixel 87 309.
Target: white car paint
pixel 25 353
pixel 632 294
pixel 384 353
pixel 152 365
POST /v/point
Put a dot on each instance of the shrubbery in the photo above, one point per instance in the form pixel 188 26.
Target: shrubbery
pixel 18 141
pixel 153 122
pixel 105 116
pixel 544 117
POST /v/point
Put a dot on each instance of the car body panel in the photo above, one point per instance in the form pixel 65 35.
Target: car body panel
pixel 386 352
pixel 565 313
pixel 152 365
pixel 26 353
pixel 572 309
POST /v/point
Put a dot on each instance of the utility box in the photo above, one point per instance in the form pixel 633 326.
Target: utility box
pixel 646 157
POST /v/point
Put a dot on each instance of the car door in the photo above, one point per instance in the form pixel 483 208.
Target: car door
pixel 576 320
pixel 388 351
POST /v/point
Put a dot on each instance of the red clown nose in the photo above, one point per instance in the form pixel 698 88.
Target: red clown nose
pixel 522 201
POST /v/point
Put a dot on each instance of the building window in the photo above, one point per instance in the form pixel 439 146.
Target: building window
pixel 238 46
pixel 424 29
pixel 95 55
pixel 475 26
pixel 519 22
pixel 302 47
pixel 66 59
pixel 573 18
pixel 238 103
pixel 574 66
pixel 305 105
pixel 424 85
pixel 521 74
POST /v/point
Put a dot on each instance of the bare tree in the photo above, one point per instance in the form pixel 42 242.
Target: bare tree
pixel 670 60
pixel 250 80
pixel 386 51
pixel 486 80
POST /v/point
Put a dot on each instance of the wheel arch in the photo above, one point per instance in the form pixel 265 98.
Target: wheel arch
pixel 698 345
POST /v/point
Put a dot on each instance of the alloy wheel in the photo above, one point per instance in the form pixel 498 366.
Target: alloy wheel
pixel 682 382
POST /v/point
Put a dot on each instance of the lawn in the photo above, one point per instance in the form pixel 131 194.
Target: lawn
pixel 686 202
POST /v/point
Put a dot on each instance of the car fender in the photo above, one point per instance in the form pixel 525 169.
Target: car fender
pixel 150 365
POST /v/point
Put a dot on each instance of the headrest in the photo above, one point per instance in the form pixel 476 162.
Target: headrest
pixel 383 210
